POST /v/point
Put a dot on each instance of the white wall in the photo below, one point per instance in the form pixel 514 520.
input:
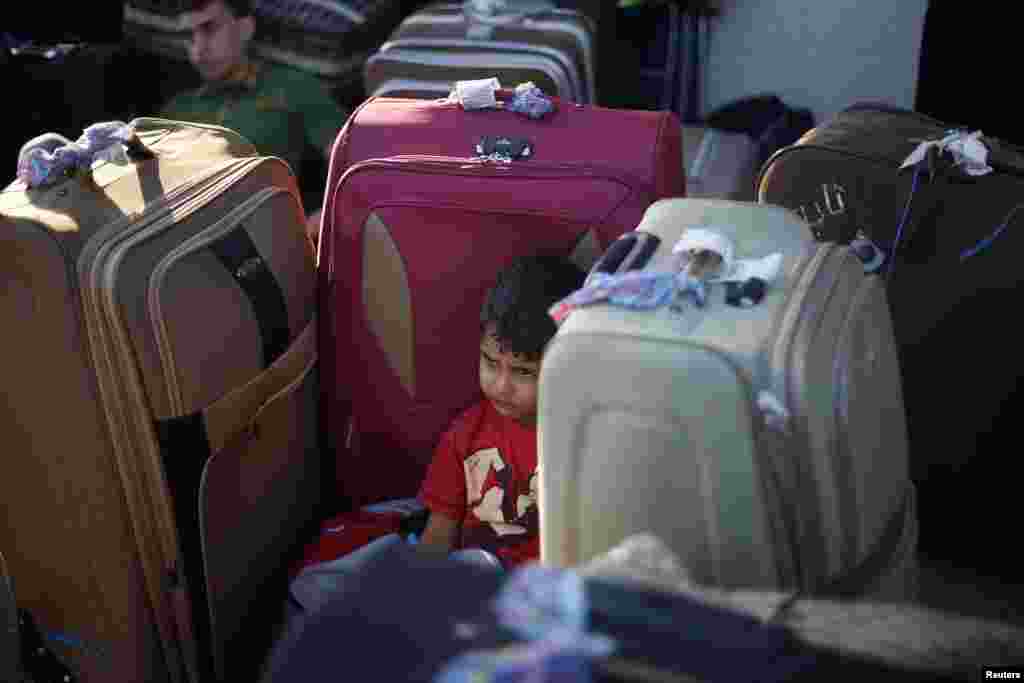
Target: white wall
pixel 820 54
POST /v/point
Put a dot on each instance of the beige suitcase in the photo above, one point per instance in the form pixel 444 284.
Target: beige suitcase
pixel 159 427
pixel 764 444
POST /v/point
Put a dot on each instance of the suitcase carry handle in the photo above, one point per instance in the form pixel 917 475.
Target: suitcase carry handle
pixel 506 95
pixel 47 158
pixel 632 251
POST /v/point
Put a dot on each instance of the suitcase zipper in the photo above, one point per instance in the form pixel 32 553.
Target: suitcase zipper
pixel 477 166
pixel 796 317
pixel 195 243
pixel 494 167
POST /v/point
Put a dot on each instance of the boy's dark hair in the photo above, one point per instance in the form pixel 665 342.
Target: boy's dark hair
pixel 238 8
pixel 517 305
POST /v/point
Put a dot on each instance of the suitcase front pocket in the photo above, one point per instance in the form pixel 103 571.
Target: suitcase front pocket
pixel 244 473
pixel 257 498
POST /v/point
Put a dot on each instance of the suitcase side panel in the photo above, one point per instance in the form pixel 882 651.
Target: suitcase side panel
pixel 206 305
pixel 838 364
pixel 66 527
pixel 627 446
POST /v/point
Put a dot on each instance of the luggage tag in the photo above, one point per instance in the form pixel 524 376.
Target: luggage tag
pixel 504 149
pixel 476 94
pixel 707 256
pixel 969 153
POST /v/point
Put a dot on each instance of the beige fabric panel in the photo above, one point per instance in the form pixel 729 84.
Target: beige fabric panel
pixel 64 526
pixel 387 301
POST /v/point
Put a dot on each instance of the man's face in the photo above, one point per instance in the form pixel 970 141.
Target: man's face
pixel 218 39
pixel 509 381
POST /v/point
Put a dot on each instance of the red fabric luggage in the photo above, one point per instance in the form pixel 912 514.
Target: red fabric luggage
pixel 416 227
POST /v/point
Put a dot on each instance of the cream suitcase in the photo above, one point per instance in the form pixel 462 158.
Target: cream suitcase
pixel 765 444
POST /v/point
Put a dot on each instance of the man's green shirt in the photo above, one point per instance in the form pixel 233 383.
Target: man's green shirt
pixel 282 111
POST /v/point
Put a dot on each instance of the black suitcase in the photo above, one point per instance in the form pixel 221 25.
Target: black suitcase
pixel 947 243
pixel 662 45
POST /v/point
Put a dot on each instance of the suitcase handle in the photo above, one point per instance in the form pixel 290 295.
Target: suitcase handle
pixel 47 158
pixel 506 95
pixel 632 251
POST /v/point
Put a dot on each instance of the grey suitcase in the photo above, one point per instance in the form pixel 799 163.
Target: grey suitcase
pixel 719 164
pixel 519 42
pixel 765 444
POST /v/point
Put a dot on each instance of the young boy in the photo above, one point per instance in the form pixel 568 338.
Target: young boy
pixel 481 487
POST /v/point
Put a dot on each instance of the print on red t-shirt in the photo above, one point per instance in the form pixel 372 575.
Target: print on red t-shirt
pixel 484 475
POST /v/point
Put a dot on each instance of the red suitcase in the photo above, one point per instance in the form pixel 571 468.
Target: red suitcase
pixel 416 226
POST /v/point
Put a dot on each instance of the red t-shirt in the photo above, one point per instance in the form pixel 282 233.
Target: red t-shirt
pixel 484 475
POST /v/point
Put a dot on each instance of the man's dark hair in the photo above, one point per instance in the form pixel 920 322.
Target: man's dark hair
pixel 238 8
pixel 517 305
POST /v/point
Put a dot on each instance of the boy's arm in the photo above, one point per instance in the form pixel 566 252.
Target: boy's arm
pixel 443 492
pixel 440 534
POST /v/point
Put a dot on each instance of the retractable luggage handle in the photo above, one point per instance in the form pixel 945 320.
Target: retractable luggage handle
pixel 631 251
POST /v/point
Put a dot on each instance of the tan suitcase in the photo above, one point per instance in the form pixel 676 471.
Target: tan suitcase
pixel 765 445
pixel 159 431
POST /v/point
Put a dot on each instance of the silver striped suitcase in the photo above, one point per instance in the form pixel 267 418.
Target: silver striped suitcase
pixel 445 43
pixel 765 444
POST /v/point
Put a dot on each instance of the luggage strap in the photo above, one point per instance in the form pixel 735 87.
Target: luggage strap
pixel 855 582
pixel 238 254
pixel 10 642
pixel 24 655
pixel 39 662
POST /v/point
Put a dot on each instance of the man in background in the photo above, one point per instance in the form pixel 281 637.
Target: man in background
pixel 284 112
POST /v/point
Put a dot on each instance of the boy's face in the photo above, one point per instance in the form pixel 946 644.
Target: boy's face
pixel 508 380
pixel 218 39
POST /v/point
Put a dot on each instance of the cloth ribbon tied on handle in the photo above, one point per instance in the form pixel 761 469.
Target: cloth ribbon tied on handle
pixel 528 100
pixel 968 151
pixel 50 157
pixel 547 608
pixel 746 280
